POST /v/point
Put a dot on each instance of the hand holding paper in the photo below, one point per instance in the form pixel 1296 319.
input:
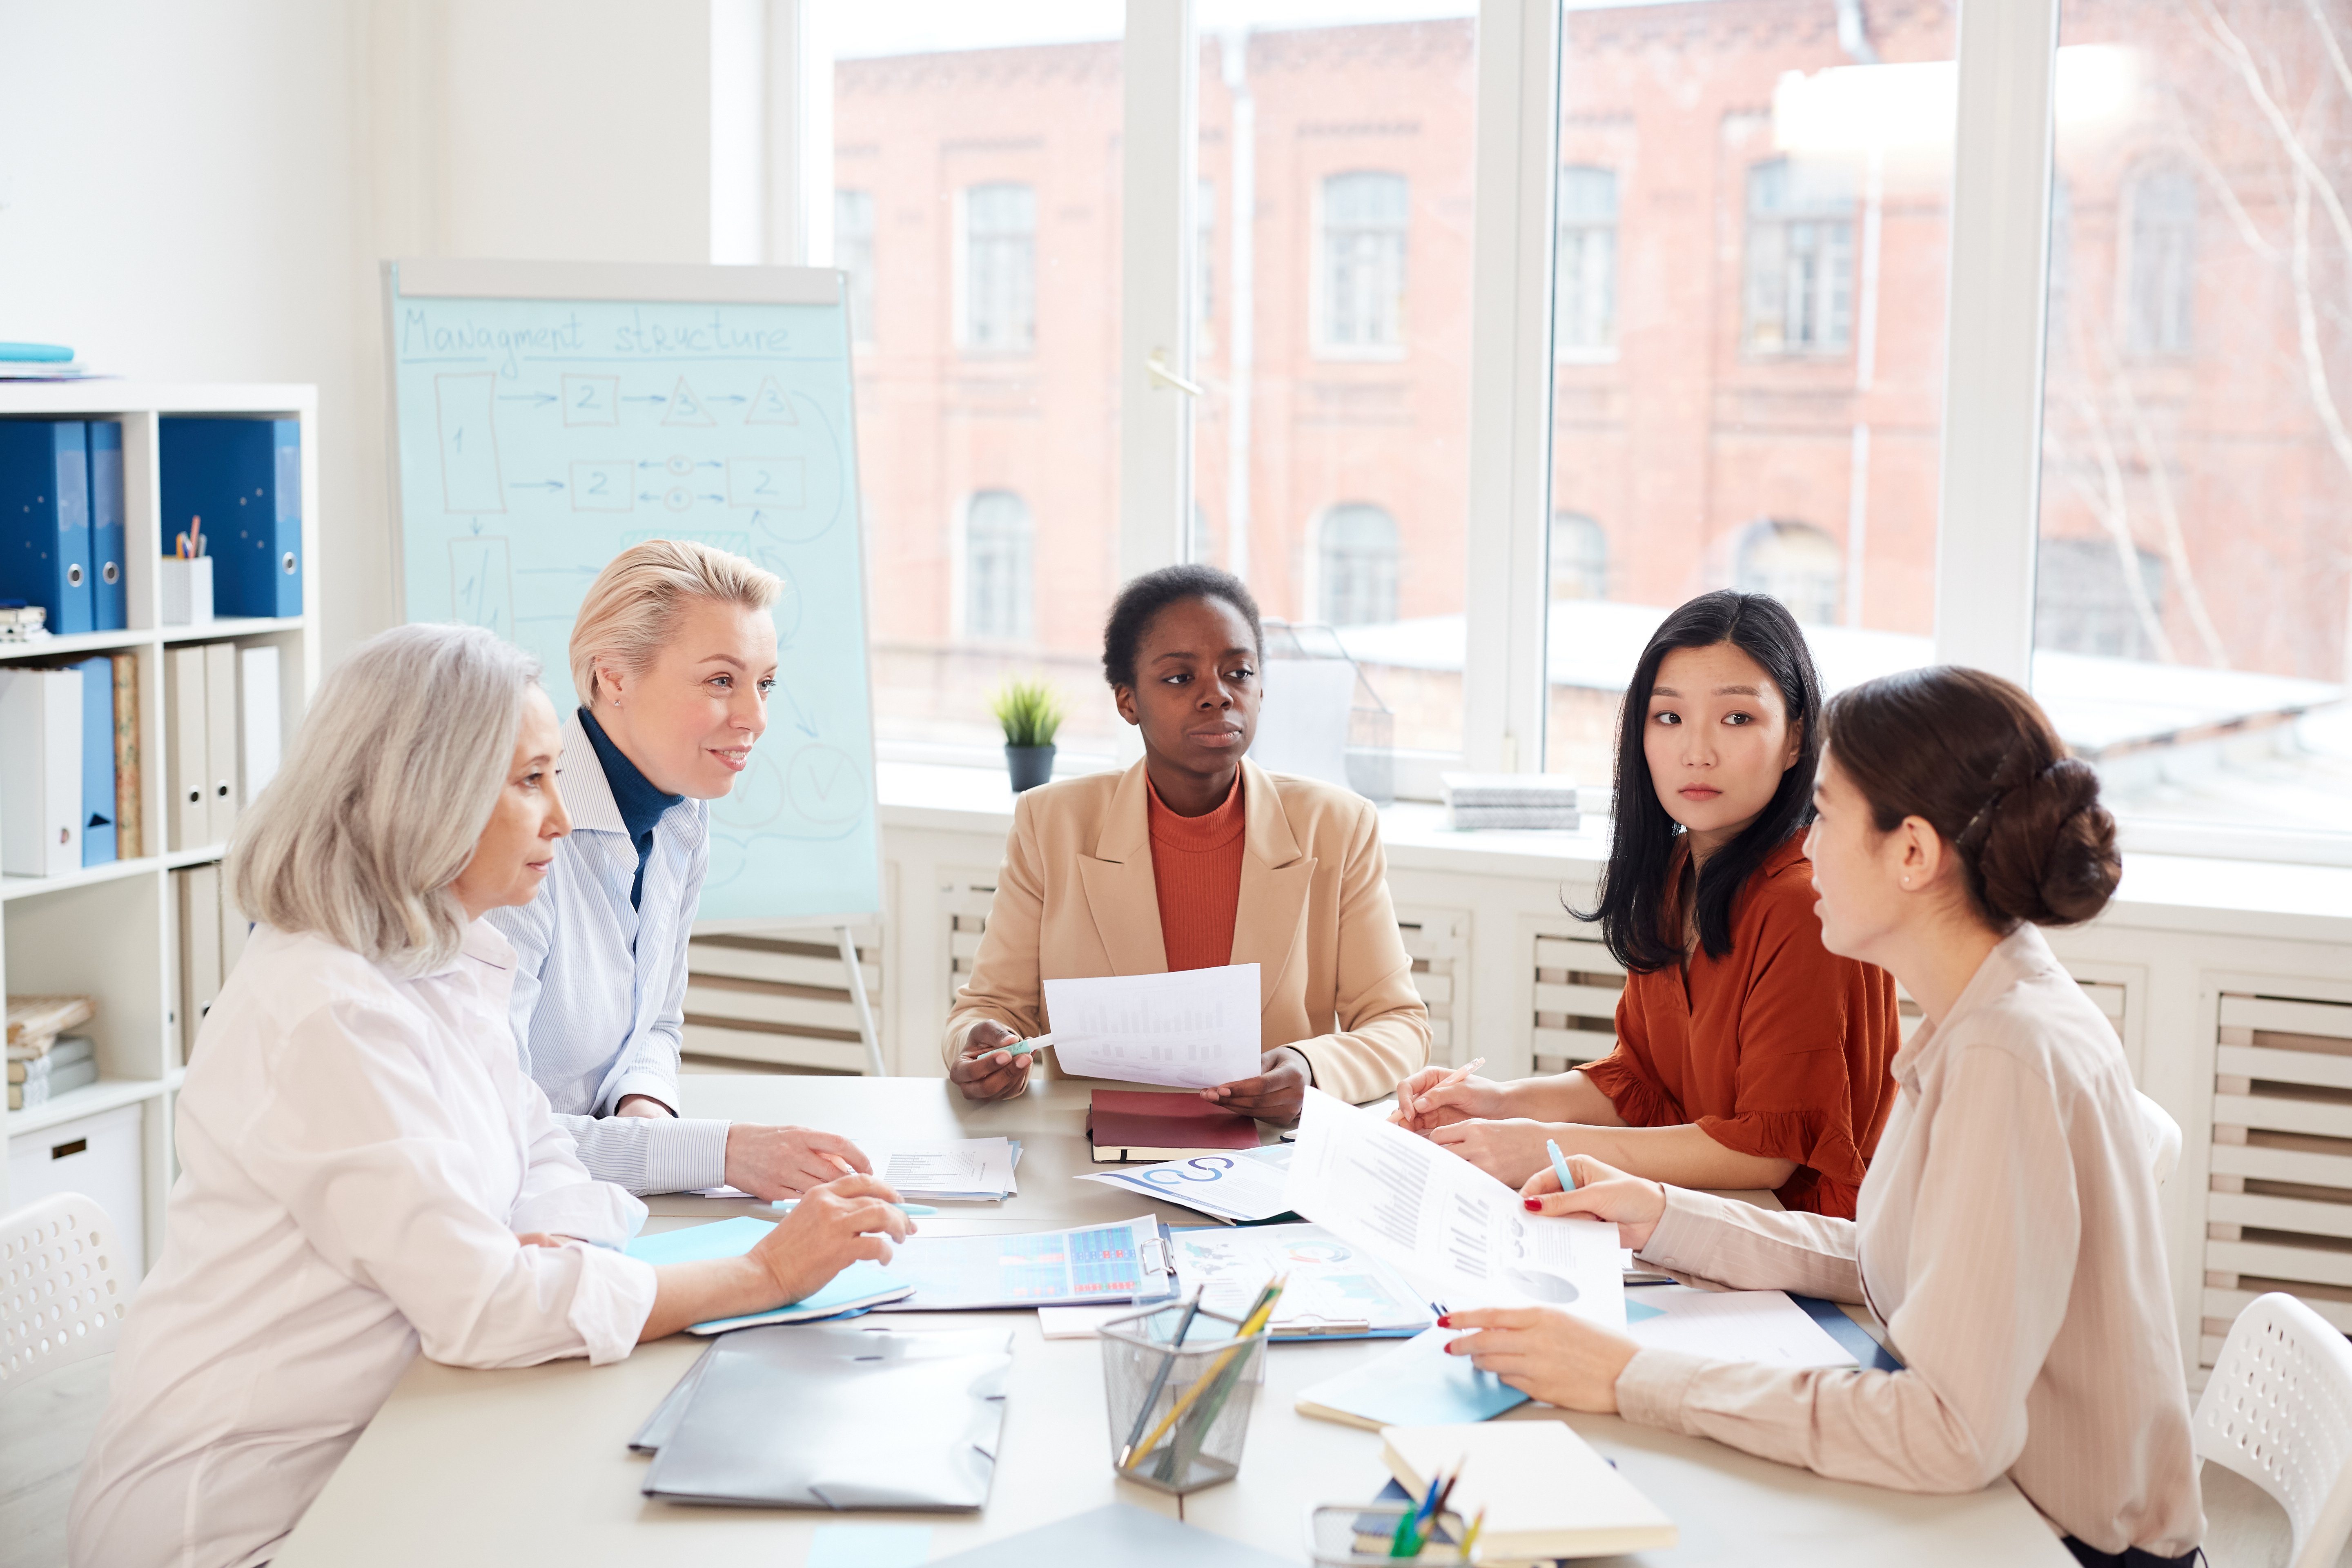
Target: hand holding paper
pixel 1453 1230
pixel 1193 1029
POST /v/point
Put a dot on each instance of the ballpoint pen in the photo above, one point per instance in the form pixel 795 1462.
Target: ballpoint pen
pixel 1559 1166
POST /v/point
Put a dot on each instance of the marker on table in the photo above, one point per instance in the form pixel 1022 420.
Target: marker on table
pixel 1559 1167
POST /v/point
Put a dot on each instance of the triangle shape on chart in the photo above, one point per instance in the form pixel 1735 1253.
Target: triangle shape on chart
pixel 685 407
pixel 771 406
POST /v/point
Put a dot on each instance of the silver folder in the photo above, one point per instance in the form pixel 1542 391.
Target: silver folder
pixel 836 1416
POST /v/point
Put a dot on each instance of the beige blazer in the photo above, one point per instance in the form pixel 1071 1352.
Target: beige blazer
pixel 1076 900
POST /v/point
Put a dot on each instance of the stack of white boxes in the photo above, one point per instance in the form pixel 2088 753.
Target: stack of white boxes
pixel 223 724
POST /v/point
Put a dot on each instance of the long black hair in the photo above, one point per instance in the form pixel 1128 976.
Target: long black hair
pixel 1635 898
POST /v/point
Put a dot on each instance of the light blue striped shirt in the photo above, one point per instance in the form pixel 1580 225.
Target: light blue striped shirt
pixel 600 987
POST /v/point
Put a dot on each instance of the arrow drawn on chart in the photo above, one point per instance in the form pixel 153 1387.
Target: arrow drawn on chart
pixel 646 397
pixel 727 398
pixel 534 484
pixel 800 719
pixel 647 495
pixel 536 399
pixel 711 462
pixel 706 495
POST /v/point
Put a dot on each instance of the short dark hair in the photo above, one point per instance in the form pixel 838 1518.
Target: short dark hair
pixel 1146 596
pixel 1637 903
pixel 1978 760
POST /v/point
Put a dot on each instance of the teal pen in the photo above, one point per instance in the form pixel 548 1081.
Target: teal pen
pixel 1559 1167
pixel 1025 1048
pixel 902 1208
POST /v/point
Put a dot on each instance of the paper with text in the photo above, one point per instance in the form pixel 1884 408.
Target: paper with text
pixel 1192 1029
pixel 1446 1225
pixel 1731 1325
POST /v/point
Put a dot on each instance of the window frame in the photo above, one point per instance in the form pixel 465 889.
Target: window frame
pixel 962 279
pixel 1320 343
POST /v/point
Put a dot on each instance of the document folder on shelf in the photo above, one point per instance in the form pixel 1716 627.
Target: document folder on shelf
pixel 839 1416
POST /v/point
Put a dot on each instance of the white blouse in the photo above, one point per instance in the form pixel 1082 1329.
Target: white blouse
pixel 358 1150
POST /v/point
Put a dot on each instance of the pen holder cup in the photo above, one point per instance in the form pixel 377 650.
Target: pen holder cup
pixel 1346 1535
pixel 1179 1415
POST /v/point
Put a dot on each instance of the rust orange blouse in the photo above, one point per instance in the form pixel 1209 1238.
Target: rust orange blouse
pixel 1778 1049
pixel 1196 869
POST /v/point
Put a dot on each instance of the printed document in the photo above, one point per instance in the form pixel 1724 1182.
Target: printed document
pixel 1452 1229
pixel 1244 1186
pixel 1334 1291
pixel 971 1169
pixel 1731 1325
pixel 1193 1029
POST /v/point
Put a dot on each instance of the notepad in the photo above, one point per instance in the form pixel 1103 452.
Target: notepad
pixel 1545 1492
pixel 863 1284
pixel 1417 1384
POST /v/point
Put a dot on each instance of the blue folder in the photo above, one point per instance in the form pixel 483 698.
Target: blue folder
pixel 244 478
pixel 45 519
pixel 109 592
pixel 98 830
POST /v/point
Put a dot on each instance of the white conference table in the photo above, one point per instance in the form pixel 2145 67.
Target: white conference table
pixel 533 1465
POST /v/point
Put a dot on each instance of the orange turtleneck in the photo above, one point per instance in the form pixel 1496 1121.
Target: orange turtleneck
pixel 1196 867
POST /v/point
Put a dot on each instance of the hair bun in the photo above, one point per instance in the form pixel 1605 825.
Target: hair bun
pixel 2048 852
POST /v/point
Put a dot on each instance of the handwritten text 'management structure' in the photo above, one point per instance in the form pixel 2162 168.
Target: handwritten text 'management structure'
pixel 685 332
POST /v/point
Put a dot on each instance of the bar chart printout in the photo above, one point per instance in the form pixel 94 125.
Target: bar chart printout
pixel 1191 1029
pixel 1107 1263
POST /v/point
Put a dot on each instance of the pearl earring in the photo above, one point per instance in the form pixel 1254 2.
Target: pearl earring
pixel 1906 881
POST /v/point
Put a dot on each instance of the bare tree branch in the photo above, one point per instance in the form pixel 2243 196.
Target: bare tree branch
pixel 2113 508
pixel 2335 48
pixel 2314 367
pixel 2233 51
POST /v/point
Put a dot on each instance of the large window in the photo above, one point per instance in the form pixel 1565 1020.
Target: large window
pixel 976 156
pixel 1362 272
pixel 1799 257
pixel 998 566
pixel 2195 562
pixel 1766 244
pixel 1000 269
pixel 1585 269
pixel 1357 567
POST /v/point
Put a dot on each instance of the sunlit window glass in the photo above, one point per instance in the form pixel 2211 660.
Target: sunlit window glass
pixel 852 252
pixel 999 542
pixel 1364 261
pixel 1359 566
pixel 1000 304
pixel 1586 263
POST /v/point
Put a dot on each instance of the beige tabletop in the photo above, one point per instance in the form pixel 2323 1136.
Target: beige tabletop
pixel 533 1465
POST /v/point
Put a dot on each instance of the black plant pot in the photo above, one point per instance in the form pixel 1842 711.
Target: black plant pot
pixel 1030 765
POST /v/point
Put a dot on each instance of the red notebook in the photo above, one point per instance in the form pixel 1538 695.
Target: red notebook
pixel 1124 1124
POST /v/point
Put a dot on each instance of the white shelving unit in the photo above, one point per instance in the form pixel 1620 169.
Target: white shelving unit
pixel 110 931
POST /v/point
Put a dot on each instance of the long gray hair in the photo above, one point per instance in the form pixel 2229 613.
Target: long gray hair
pixel 390 783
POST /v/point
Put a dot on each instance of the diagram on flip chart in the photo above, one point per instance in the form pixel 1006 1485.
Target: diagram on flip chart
pixel 540 433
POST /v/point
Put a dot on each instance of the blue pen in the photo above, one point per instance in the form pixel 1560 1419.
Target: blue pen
pixel 902 1208
pixel 1559 1167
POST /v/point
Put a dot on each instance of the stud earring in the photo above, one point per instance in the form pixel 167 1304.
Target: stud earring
pixel 1906 881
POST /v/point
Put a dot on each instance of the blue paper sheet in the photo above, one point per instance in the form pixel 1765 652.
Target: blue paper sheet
pixel 870 1546
pixel 1418 1384
pixel 854 1287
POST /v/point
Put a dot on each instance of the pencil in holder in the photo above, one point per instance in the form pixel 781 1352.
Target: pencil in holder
pixel 1180 1412
pixel 1356 1535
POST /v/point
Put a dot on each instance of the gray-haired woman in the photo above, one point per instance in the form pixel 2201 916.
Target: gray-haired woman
pixel 365 1172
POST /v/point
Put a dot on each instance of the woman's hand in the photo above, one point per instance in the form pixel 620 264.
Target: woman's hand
pixel 1544 1354
pixel 988 1069
pixel 1422 1105
pixel 831 1227
pixel 1634 1206
pixel 785 1162
pixel 1276 1094
pixel 1507 1151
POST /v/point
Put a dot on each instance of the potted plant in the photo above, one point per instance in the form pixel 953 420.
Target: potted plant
pixel 1030 713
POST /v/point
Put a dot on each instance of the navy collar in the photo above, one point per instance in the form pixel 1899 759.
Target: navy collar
pixel 634 795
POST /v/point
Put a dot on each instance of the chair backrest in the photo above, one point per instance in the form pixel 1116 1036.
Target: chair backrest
pixel 2163 1135
pixel 2279 1411
pixel 64 1286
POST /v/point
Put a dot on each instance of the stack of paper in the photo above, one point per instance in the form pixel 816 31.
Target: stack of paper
pixel 1509 800
pixel 958 1170
pixel 1239 1188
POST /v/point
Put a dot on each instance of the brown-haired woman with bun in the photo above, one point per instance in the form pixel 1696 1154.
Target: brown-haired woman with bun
pixel 2007 1233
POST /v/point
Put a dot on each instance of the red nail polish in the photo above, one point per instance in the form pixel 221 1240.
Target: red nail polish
pixel 1535 1206
pixel 1446 1319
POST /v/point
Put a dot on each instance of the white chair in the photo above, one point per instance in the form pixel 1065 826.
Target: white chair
pixel 2163 1135
pixel 64 1286
pixel 2279 1411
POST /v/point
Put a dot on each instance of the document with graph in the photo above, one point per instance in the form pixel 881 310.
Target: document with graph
pixel 1129 1261
pixel 1191 1029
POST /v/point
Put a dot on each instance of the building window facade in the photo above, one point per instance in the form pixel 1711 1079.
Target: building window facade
pixel 1204 265
pixel 2161 288
pixel 2083 602
pixel 852 252
pixel 1795 563
pixel 1357 566
pixel 1000 269
pixel 1361 312
pixel 1000 548
pixel 1800 293
pixel 1584 311
pixel 1580 557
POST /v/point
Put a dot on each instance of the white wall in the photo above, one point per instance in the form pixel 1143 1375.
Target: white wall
pixel 203 192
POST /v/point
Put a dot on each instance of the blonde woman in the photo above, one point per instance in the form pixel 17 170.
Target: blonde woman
pixel 673 655
pixel 365 1173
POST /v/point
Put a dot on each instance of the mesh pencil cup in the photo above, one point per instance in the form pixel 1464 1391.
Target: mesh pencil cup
pixel 1179 1415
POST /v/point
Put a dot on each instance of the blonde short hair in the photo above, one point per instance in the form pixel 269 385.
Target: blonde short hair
pixel 637 600
pixel 390 784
